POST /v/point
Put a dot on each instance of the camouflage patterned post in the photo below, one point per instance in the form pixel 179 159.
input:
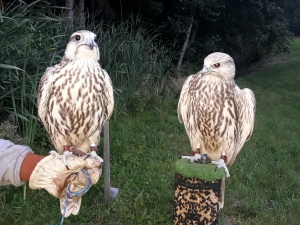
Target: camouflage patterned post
pixel 197 192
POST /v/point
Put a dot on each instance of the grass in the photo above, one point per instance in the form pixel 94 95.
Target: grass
pixel 265 182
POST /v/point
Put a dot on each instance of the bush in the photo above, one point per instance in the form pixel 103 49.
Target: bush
pixel 28 44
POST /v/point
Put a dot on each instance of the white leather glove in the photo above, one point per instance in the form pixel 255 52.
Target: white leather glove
pixel 72 204
pixel 51 174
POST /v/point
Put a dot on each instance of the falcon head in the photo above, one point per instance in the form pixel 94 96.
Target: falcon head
pixel 220 64
pixel 82 45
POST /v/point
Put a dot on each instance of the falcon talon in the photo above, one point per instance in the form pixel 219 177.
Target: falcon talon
pixel 88 155
pixel 221 164
pixel 74 153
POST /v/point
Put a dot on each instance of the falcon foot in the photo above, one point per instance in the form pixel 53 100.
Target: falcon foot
pixel 94 154
pixel 195 158
pixel 68 150
pixel 66 153
pixel 203 158
pixel 221 164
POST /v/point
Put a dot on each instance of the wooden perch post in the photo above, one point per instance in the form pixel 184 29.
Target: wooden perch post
pixel 197 193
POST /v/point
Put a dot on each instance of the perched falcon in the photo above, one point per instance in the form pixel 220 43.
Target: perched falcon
pixel 75 97
pixel 218 116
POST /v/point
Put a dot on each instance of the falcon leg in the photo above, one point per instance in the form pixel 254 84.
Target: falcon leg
pixel 221 164
pixel 194 158
pixel 203 158
pixel 93 149
pixel 65 154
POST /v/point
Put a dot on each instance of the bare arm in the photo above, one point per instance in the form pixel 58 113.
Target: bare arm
pixel 11 159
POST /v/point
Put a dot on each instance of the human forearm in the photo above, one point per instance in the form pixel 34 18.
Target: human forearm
pixel 11 158
pixel 28 165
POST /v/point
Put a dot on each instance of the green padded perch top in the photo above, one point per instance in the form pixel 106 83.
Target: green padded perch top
pixel 196 170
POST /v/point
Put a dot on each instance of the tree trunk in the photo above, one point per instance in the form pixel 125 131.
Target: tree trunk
pixel 70 7
pixel 185 44
pixel 193 34
pixel 81 11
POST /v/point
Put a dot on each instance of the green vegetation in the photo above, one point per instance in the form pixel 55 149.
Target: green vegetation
pixel 202 171
pixel 264 186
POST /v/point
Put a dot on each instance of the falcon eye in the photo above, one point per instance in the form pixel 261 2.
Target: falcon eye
pixel 77 37
pixel 96 39
pixel 216 64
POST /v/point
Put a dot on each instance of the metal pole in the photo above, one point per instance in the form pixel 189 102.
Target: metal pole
pixel 106 163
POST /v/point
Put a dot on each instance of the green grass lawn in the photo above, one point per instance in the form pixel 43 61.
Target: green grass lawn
pixel 265 179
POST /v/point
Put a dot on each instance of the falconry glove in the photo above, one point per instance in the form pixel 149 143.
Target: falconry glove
pixel 51 174
pixel 71 205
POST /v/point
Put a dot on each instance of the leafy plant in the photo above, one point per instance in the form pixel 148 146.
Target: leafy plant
pixel 26 35
pixel 9 131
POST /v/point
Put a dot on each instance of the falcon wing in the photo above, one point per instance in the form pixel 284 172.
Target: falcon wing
pixel 185 98
pixel 186 110
pixel 109 95
pixel 44 92
pixel 245 106
pixel 184 101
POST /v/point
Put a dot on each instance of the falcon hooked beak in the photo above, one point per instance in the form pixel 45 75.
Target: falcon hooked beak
pixel 91 44
pixel 205 69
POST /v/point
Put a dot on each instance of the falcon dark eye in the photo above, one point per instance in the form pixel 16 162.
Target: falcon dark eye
pixel 96 39
pixel 216 64
pixel 77 37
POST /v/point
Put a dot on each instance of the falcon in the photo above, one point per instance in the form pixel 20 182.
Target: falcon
pixel 75 97
pixel 218 116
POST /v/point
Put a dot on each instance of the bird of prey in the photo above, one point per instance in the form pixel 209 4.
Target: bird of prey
pixel 75 98
pixel 218 116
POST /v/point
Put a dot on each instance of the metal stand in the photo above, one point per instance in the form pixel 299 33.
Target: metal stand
pixel 109 192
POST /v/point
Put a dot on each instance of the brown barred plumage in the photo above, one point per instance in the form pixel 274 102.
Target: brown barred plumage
pixel 75 97
pixel 217 115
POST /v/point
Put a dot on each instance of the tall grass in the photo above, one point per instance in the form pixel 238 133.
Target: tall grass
pixel 135 59
pixel 25 52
